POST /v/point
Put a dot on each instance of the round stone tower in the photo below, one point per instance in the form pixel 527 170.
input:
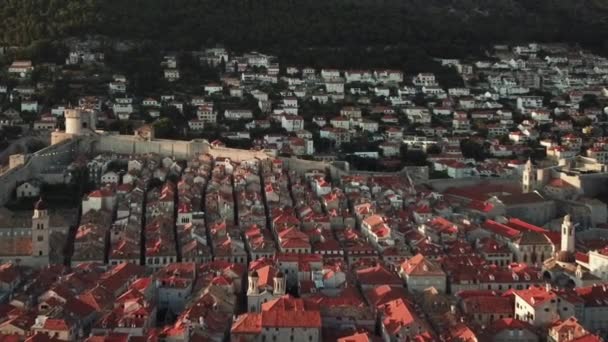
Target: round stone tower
pixel 73 121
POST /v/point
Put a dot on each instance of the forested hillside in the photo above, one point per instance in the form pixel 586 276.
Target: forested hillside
pixel 451 26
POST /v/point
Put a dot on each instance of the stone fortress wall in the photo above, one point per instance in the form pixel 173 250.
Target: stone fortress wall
pixel 180 149
pixel 64 150
pixel 58 154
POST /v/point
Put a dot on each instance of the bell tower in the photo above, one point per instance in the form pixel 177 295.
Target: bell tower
pixel 279 284
pixel 253 283
pixel 568 235
pixel 528 178
pixel 40 230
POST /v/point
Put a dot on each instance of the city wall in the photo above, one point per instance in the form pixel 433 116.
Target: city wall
pixel 125 144
pixel 235 154
pixel 63 152
pixel 59 154
pixel 179 149
pixel 301 166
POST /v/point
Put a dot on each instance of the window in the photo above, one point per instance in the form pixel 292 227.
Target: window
pixel 40 238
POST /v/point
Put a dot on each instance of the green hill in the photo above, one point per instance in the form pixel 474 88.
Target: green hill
pixel 436 25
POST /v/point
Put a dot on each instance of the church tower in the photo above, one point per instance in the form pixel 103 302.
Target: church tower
pixel 279 284
pixel 40 230
pixel 566 253
pixel 568 235
pixel 253 283
pixel 528 178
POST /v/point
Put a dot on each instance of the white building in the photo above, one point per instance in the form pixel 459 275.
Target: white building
pixel 196 125
pixel 29 106
pixel 206 114
pixel 264 284
pixel 292 123
pixel 424 80
pixel 540 306
pixel 29 189
pixel 238 114
pixel 420 273
pixel 171 75
pixel 21 68
pixel 213 88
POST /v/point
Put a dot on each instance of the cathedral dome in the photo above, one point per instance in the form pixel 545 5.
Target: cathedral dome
pixel 40 205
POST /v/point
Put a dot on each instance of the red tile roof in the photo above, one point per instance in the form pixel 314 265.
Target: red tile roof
pixel 508 324
pixel 56 325
pixel 536 295
pixel 420 266
pixel 594 296
pixel 488 305
pixel 378 275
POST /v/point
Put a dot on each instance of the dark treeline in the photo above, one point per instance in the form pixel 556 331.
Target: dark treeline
pixel 286 27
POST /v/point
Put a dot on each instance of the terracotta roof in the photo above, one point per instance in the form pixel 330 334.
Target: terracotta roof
pixel 357 337
pixel 588 338
pixel 9 338
pixel 536 295
pixel 508 324
pixel 42 337
pixel 56 324
pixel 249 323
pixel 594 296
pixel 420 266
pixel 488 304
pixel 378 275
pixel 288 319
pixel 378 296
pixel 461 333
pixel 397 314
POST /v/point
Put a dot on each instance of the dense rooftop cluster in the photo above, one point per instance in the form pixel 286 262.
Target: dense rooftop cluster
pixel 212 248
pixel 262 245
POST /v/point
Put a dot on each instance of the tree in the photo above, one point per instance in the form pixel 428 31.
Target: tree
pixel 323 145
pixel 28 116
pixel 589 101
pixel 164 128
pixel 433 149
pixel 472 149
pixel 414 158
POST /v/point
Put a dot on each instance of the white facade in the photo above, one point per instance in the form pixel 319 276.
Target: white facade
pixel 28 189
pixel 598 264
pixel 238 114
pixel 544 310
pixel 171 75
pixel 196 125
pixel 29 106
pixel 292 122
pixel 424 80
pixel 110 177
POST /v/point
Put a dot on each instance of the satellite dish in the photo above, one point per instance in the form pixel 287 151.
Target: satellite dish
pixel 606 110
